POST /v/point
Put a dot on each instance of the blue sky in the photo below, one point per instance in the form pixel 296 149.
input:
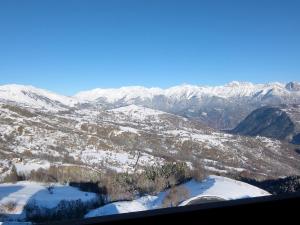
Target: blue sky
pixel 68 46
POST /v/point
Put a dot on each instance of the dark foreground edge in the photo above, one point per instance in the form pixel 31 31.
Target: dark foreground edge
pixel 258 210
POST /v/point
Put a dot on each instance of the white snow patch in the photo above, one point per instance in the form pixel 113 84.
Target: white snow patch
pixel 26 167
pixel 137 112
pixel 204 114
pixel 119 161
pixel 128 129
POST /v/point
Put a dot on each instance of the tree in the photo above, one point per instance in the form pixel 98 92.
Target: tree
pixel 175 196
pixel 13 176
pixel 50 188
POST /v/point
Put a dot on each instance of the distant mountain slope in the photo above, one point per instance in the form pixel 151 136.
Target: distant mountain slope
pixel 266 121
pixel 275 122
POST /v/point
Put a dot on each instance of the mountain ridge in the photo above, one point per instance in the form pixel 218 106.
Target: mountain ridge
pixel 293 85
pixel 221 107
pixel 219 90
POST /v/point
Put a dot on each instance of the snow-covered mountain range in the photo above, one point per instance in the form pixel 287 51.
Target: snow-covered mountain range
pixel 233 89
pixel 221 107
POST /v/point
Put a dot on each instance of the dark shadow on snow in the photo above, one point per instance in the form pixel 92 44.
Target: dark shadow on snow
pixel 65 209
pixel 78 210
pixel 89 187
pixel 7 190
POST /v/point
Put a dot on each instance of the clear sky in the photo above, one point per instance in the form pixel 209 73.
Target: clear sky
pixel 68 46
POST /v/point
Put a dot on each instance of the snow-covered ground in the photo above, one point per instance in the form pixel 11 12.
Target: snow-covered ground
pixel 24 168
pixel 135 113
pixel 120 161
pixel 22 193
pixel 222 187
pixel 214 186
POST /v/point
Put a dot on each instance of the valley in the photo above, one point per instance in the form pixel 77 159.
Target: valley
pixel 123 144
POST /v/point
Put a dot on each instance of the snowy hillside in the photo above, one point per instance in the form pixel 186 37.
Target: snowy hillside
pixel 23 193
pixel 15 197
pixel 214 186
pixel 130 138
pixel 222 187
pixel 137 112
pixel 35 97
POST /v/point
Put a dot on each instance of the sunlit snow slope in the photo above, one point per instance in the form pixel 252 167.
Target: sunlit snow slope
pixel 215 186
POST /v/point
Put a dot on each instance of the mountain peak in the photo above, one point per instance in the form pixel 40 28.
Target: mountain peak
pixel 17 87
pixel 140 95
pixel 34 97
pixel 293 86
pixel 238 83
